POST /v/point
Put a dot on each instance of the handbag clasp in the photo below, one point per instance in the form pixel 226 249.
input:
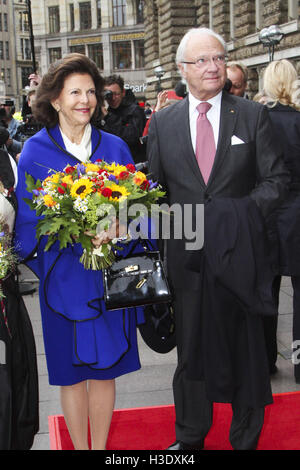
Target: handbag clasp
pixel 141 283
pixel 131 268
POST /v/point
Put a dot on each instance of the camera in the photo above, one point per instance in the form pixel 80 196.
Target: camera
pixel 29 128
pixel 7 103
pixel 108 95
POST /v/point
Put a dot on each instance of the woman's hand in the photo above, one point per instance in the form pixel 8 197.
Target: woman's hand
pixel 116 230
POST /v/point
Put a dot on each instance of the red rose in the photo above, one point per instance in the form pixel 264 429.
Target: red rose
pixel 106 192
pixel 69 169
pixel 145 185
pixel 123 175
pixel 130 168
pixel 62 190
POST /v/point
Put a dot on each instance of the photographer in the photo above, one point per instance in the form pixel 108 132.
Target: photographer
pixel 123 117
pixel 30 126
pixel 7 110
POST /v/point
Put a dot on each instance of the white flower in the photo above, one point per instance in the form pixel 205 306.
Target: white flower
pixel 80 205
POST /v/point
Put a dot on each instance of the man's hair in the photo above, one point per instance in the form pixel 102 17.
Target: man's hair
pixel 53 82
pixel 115 79
pixel 180 55
pixel 239 65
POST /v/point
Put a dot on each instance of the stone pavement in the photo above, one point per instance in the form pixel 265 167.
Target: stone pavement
pixel 152 384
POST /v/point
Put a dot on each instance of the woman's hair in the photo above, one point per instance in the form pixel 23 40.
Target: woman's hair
pixel 281 84
pixel 53 82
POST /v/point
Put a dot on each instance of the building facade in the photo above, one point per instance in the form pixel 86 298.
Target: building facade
pixel 111 32
pixel 134 37
pixel 238 21
pixel 15 50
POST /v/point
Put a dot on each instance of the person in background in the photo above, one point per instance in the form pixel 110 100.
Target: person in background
pixel 161 102
pixel 181 89
pixel 148 110
pixel 86 346
pixel 281 94
pixel 123 117
pixel 8 107
pixel 216 150
pixel 19 395
pixel 238 74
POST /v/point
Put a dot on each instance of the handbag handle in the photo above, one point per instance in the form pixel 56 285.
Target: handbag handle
pixel 146 244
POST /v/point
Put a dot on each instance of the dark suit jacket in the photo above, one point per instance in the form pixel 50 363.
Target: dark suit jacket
pixel 286 132
pixel 253 168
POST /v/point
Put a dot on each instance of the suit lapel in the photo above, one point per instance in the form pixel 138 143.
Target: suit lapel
pixel 229 112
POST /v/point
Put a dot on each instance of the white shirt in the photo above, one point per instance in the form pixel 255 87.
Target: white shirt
pixel 83 150
pixel 213 115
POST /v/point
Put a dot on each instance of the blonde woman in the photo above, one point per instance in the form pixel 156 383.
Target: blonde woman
pixel 281 89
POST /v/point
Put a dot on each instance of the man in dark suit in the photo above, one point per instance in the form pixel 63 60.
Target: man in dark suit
pixel 232 156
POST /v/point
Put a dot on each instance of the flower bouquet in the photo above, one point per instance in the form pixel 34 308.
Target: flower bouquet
pixel 84 199
pixel 8 257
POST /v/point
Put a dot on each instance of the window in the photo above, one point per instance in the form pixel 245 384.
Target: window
pixel 54 54
pixel 139 54
pixel 8 77
pixel 96 54
pixel 25 49
pixel 25 71
pixel 139 11
pixel 0 21
pixel 122 55
pixel 119 12
pixel 79 49
pixel 7 50
pixel 85 15
pixel 23 21
pixel 1 50
pixel 5 24
pixel 54 22
pixel 72 18
pixel 98 13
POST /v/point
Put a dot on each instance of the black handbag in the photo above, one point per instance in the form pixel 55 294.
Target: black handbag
pixel 137 280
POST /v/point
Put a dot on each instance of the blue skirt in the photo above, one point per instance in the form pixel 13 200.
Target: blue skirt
pixel 82 339
pixel 58 335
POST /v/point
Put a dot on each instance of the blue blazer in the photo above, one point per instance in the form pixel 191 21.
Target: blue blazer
pixel 66 288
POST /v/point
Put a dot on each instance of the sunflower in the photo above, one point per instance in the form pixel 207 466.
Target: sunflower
pixel 81 188
pixel 119 193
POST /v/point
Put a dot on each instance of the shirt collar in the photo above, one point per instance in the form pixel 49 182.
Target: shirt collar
pixel 214 101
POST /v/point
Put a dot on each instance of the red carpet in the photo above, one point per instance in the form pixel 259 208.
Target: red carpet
pixel 152 428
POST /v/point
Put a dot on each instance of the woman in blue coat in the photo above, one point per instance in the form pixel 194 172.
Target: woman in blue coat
pixel 86 346
pixel 282 95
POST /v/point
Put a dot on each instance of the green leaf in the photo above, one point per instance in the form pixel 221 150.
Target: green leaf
pixel 29 202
